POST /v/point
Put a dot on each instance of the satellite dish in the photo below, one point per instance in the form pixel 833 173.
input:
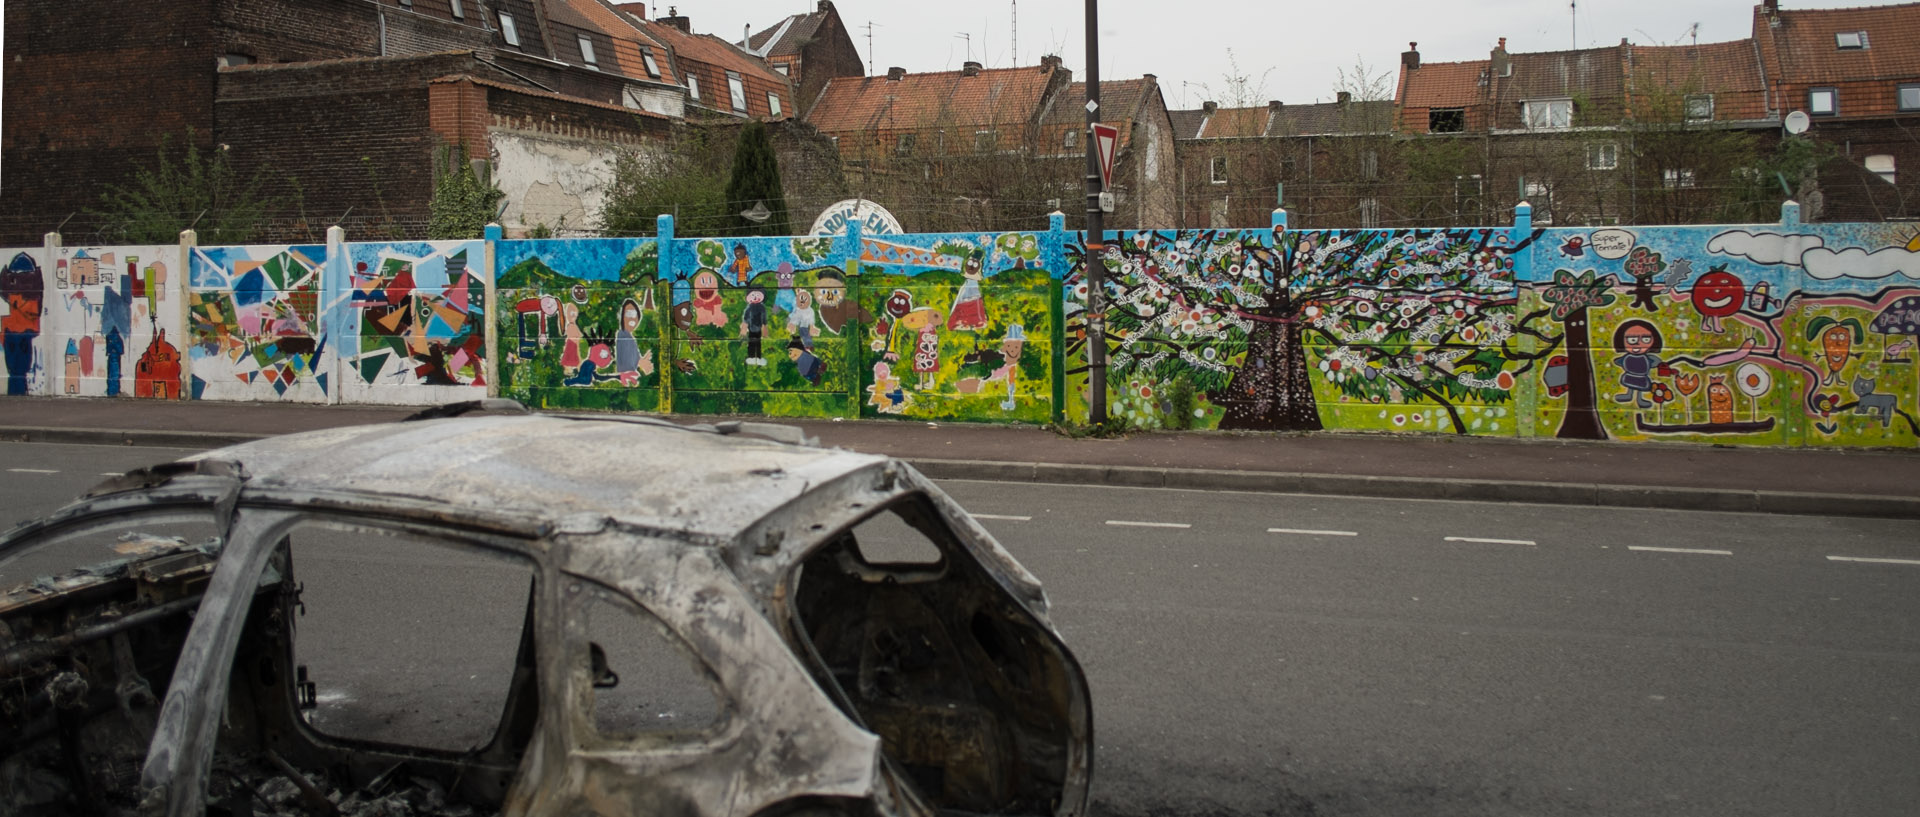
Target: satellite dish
pixel 1797 122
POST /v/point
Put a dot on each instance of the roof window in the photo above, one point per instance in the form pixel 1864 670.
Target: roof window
pixel 586 52
pixel 459 11
pixel 508 31
pixel 646 56
pixel 1851 40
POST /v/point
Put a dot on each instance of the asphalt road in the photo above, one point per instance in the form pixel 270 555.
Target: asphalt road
pixel 1256 654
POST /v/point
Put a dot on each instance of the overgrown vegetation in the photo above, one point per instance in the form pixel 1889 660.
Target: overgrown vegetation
pixel 683 180
pixel 188 190
pixel 463 200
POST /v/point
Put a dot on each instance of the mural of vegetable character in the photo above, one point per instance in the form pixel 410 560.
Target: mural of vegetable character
pixel 1719 400
pixel 1837 338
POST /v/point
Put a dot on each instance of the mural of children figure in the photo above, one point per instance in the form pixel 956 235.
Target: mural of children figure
pixel 753 324
pixel 898 304
pixel 573 349
pixel 803 360
pixel 541 309
pixel 969 306
pixel 800 319
pixel 1010 347
pixel 1637 341
pixel 626 348
pixel 885 394
pixel 830 292
pixel 926 347
pixel 783 277
pixel 742 268
pixel 708 308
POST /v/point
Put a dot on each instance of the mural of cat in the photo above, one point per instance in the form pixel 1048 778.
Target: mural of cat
pixel 1869 401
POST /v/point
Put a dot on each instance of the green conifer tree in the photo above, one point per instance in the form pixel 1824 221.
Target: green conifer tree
pixel 756 184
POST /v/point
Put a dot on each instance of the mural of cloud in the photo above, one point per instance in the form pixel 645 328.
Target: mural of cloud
pixel 1765 248
pixel 1854 262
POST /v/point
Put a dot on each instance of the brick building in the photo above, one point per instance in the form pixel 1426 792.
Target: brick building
pixel 1145 166
pixel 809 48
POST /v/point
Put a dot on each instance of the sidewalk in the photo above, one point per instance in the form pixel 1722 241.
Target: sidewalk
pixel 1655 475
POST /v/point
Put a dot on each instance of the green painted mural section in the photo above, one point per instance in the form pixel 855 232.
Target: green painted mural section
pixel 579 325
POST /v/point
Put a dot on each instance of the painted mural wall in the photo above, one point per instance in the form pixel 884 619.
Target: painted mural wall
pixel 1779 334
pixel 1769 335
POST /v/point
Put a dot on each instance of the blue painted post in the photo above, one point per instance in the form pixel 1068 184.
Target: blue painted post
pixel 1054 246
pixel 1279 219
pixel 1528 396
pixel 335 281
pixel 1789 213
pixel 669 334
pixel 491 313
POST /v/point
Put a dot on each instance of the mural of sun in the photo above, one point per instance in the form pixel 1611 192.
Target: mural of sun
pixel 1913 244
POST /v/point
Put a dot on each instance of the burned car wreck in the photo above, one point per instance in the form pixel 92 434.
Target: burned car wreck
pixel 533 614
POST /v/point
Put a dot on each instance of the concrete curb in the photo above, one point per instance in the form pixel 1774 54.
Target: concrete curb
pixel 1271 482
pixel 1548 493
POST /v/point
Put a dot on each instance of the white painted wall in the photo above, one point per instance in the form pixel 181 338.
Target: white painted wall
pixel 551 180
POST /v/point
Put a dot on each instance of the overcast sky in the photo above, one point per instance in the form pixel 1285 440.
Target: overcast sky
pixel 1291 51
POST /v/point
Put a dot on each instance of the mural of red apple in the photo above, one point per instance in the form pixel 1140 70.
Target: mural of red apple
pixel 1716 295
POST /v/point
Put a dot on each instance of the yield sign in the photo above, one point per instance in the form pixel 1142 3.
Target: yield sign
pixel 1105 137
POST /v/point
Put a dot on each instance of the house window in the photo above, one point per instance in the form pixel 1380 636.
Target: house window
pixel 985 140
pixel 231 60
pixel 1603 156
pixel 1547 114
pixel 693 86
pixel 459 11
pixel 782 68
pixel 1823 101
pixel 1219 170
pixel 1447 120
pixel 773 104
pixel 738 90
pixel 1072 138
pixel 1369 213
pixel 646 57
pixel 586 52
pixel 1678 178
pixel 1851 40
pixel 1700 107
pixel 906 144
pixel 1540 195
pixel 1881 164
pixel 507 30
pixel 1370 165
pixel 1910 97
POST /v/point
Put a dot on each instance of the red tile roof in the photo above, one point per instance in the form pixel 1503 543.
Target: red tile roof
pixel 792 33
pixel 1235 123
pixel 569 17
pixel 1808 52
pixel 996 97
pixel 1729 71
pixel 1443 85
pixel 714 51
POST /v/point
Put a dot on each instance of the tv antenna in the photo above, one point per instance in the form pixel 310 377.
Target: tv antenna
pixel 870 26
pixel 1694 32
pixel 1573 11
pixel 969 38
pixel 1016 32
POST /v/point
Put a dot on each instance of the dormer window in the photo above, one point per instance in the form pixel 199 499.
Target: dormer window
pixel 508 31
pixel 1851 40
pixel 738 90
pixel 1823 101
pixel 653 68
pixel 1700 107
pixel 693 86
pixel 1547 114
pixel 773 104
pixel 586 52
pixel 1909 98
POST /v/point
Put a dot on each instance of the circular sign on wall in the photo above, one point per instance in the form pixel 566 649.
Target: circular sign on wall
pixel 872 218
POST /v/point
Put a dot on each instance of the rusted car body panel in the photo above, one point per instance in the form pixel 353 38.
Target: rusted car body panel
pixel 845 686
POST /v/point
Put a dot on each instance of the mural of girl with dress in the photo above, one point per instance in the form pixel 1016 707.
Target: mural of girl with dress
pixel 969 305
pixel 1637 340
pixel 925 322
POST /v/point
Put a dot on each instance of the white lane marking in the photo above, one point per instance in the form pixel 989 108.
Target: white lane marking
pixel 1006 518
pixel 110 473
pixel 1527 542
pixel 1125 524
pixel 1703 551
pixel 30 471
pixel 1874 561
pixel 1307 532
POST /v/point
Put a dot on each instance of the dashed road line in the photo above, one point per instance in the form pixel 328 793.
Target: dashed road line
pixel 1479 540
pixel 1126 524
pixel 1309 532
pixel 1701 551
pixel 1873 560
pixel 30 471
pixel 1003 518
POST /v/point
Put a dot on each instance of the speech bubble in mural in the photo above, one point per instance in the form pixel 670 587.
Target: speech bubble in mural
pixel 1611 244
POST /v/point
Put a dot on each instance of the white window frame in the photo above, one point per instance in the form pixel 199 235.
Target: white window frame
pixel 1547 114
pixel 1832 96
pixel 986 141
pixel 1699 107
pixel 693 86
pixel 459 11
pixel 1907 97
pixel 1071 140
pixel 1369 213
pixel 1217 169
pixel 773 105
pixel 737 87
pixel 1678 178
pixel 509 31
pixel 1540 196
pixel 1850 40
pixel 1882 165
pixel 586 52
pixel 1603 156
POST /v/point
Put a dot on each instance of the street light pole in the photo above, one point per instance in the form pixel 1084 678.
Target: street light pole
pixel 1096 234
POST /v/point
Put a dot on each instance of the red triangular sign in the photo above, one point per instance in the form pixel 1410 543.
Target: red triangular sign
pixel 1105 138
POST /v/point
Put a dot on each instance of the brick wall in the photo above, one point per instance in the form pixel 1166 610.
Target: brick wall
pixel 299 30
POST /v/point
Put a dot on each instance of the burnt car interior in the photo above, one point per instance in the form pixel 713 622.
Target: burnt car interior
pixel 84 672
pixel 967 691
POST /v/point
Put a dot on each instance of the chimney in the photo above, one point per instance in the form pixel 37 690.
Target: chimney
pixel 1498 61
pixel 896 73
pixel 1344 97
pixel 1410 58
pixel 638 10
pixel 674 19
pixel 825 5
pixel 970 69
pixel 1772 7
pixel 1274 105
pixel 1051 62
pixel 1209 106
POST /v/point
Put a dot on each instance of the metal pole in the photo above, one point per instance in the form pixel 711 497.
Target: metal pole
pixel 1096 234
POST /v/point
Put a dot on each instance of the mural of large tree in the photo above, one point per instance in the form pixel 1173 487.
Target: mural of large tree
pixel 1413 316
